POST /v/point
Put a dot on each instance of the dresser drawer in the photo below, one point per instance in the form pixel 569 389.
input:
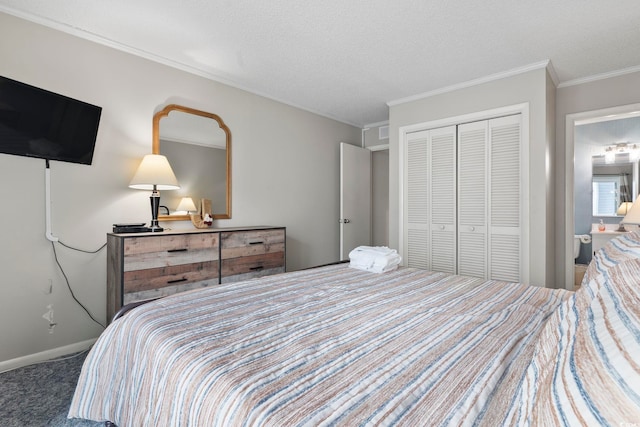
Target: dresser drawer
pixel 163 251
pixel 249 254
pixel 247 243
pixel 158 266
pixel 252 266
pixel 151 278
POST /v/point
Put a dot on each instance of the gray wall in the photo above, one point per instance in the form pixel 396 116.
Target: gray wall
pixel 379 185
pixel 380 198
pixel 600 94
pixel 285 172
pixel 532 87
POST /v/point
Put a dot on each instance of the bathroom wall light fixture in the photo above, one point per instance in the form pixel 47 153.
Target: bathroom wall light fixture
pixel 633 150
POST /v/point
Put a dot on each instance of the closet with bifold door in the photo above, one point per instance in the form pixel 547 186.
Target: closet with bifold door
pixel 462 201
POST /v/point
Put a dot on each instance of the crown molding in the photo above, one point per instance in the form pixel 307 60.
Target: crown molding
pixel 601 76
pixel 377 124
pixel 475 82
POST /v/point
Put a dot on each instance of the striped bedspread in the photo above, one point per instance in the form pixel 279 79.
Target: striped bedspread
pixel 320 347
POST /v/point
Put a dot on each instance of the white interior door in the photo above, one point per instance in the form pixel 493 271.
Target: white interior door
pixel 355 198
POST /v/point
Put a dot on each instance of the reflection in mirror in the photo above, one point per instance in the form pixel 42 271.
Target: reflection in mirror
pixel 612 184
pixel 198 147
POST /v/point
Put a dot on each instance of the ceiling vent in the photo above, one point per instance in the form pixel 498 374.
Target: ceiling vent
pixel 383 132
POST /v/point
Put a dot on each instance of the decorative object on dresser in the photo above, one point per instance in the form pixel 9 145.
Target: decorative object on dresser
pixel 145 266
pixel 154 173
pixel 205 218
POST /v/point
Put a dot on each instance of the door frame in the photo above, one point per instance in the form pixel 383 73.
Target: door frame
pixel 569 179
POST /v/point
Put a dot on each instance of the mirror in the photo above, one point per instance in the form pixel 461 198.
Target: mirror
pixel 198 147
pixel 613 184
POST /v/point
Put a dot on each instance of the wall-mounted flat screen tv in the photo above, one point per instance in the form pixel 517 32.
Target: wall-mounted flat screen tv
pixel 37 123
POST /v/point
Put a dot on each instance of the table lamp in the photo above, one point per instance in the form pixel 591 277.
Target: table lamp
pixel 633 215
pixel 623 209
pixel 155 174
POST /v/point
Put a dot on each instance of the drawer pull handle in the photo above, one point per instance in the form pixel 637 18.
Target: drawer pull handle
pixel 256 243
pixel 177 280
pixel 178 250
pixel 256 268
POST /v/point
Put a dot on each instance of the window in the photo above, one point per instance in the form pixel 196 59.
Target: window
pixel 606 195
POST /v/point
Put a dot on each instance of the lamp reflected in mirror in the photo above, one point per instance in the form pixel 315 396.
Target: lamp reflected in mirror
pixel 187 206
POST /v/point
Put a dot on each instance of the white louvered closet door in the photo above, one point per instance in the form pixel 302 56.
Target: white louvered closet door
pixel 472 199
pixel 442 194
pixel 430 195
pixel 462 197
pixel 505 198
pixel 416 219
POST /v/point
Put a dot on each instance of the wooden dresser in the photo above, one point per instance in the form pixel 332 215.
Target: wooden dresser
pixel 143 266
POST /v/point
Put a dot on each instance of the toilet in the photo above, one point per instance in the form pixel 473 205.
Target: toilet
pixel 579 269
pixel 577 240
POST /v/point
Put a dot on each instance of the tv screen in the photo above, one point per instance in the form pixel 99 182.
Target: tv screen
pixel 37 123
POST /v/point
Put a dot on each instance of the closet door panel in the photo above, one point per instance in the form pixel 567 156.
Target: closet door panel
pixel 472 254
pixel 442 156
pixel 505 208
pixel 417 251
pixel 504 263
pixel 416 197
pixel 472 199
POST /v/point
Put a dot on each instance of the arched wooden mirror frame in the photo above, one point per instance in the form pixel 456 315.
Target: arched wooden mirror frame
pixel 155 149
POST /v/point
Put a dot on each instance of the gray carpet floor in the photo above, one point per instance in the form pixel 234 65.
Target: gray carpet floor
pixel 40 394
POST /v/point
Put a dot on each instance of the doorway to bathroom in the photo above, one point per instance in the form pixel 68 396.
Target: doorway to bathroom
pixel 602 169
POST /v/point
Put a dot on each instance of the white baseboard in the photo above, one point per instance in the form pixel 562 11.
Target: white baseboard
pixel 30 359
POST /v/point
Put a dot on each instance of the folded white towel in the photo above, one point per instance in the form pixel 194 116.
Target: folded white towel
pixel 371 250
pixel 376 259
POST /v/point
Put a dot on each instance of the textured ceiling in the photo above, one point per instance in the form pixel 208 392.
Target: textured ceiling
pixel 346 59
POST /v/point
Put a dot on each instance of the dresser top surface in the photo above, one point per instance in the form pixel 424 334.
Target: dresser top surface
pixel 197 230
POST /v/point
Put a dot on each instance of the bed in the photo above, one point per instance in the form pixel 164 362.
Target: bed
pixel 340 346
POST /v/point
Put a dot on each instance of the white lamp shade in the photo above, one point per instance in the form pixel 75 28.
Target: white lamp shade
pixel 633 216
pixel 154 170
pixel 186 204
pixel 624 208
